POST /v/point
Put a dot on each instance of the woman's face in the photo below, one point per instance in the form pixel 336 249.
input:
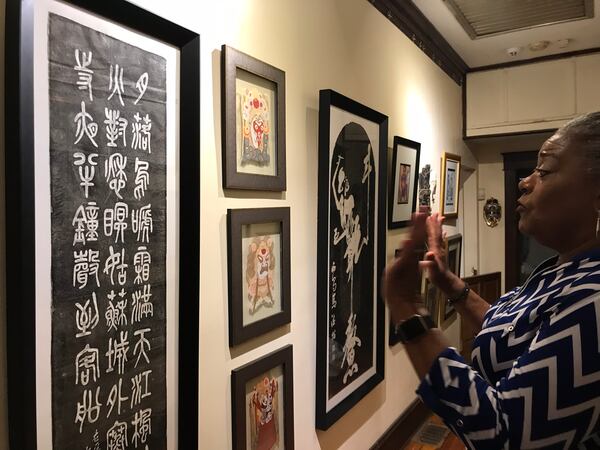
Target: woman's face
pixel 559 200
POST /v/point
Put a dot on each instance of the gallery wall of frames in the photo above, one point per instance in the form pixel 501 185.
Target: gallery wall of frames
pixel 213 215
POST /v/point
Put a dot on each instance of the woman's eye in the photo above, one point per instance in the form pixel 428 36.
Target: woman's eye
pixel 541 172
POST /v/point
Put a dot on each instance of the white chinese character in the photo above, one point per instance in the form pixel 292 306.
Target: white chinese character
pixel 86 225
pixel 86 264
pixel 86 171
pixel 116 82
pixel 116 261
pixel 114 172
pixel 141 85
pixel 116 436
pixel 140 346
pixel 142 426
pixel 115 398
pixel 115 313
pixel 87 364
pixel 141 133
pixel 89 129
pixel 142 306
pixel 84 73
pixel 142 178
pixel 139 388
pixel 115 126
pixel 86 319
pixel 117 353
pixel 141 223
pixel 115 221
pixel 87 410
pixel 141 263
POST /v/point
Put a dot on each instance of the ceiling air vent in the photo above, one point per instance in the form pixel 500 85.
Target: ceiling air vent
pixel 482 18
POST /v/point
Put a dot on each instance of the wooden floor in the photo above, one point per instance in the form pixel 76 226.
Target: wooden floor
pixel 451 442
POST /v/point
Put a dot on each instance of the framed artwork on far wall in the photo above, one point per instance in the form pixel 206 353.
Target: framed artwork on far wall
pixel 450 185
pixel 453 245
pixel 351 254
pixel 402 198
pixel 258 247
pixel 103 104
pixel 252 123
pixel 262 403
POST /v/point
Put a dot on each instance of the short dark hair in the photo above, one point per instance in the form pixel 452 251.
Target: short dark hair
pixel 584 133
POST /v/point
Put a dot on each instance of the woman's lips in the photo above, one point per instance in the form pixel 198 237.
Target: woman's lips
pixel 520 208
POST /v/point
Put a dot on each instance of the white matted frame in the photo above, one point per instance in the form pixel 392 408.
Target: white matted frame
pixel 450 185
pixel 29 285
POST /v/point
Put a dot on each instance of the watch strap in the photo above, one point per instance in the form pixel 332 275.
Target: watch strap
pixel 463 294
pixel 414 327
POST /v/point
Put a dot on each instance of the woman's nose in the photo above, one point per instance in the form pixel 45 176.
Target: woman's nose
pixel 524 185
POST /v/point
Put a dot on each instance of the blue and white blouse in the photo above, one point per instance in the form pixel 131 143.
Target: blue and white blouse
pixel 535 380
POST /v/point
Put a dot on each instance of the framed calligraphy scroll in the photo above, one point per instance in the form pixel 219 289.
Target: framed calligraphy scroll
pixel 351 254
pixel 102 102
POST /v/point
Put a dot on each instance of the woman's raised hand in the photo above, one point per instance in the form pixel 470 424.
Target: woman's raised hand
pixel 435 257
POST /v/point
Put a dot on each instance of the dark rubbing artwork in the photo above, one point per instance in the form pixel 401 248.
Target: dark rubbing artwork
pixel 352 200
pixel 108 189
pixel 424 187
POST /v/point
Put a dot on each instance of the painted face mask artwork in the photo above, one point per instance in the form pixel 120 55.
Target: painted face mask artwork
pixel 255 128
pixel 259 273
pixel 263 415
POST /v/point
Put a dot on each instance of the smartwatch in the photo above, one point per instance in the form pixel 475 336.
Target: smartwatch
pixel 414 327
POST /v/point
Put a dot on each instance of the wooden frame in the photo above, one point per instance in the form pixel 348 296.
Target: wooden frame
pixel 352 199
pixel 402 198
pixel 233 64
pixel 450 179
pixel 241 376
pixel 243 325
pixel 22 277
pixel 453 251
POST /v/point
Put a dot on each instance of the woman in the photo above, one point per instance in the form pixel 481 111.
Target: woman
pixel 535 380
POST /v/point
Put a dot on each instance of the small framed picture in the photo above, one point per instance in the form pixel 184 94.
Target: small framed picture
pixel 402 198
pixel 262 403
pixel 450 185
pixel 253 123
pixel 259 271
pixel 453 246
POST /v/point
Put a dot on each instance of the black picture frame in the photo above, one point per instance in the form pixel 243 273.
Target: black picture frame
pixel 233 60
pixel 239 409
pixel 400 210
pixel 20 207
pixel 337 105
pixel 236 219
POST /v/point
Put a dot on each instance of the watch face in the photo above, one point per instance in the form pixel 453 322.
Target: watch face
pixel 414 327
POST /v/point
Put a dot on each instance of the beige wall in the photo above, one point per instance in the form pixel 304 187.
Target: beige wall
pixel 346 45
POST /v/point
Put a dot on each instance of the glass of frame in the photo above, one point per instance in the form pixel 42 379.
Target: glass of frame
pixel 351 254
pixel 404 183
pixel 259 271
pixel 97 338
pixel 453 245
pixel 450 185
pixel 262 402
pixel 253 123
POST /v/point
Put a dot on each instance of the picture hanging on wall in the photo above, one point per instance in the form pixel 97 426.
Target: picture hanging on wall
pixel 351 254
pixel 253 123
pixel 258 245
pixel 453 246
pixel 402 197
pixel 450 185
pixel 97 336
pixel 262 403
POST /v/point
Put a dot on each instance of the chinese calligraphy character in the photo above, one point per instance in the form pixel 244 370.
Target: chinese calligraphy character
pixel 86 264
pixel 116 82
pixel 84 73
pixel 141 345
pixel 141 85
pixel 115 313
pixel 141 223
pixel 115 126
pixel 142 306
pixel 114 221
pixel 117 353
pixel 89 129
pixel 116 436
pixel 142 425
pixel 86 171
pixel 141 133
pixel 86 319
pixel 142 178
pixel 87 363
pixel 115 398
pixel 139 388
pixel 114 172
pixel 87 410
pixel 85 222
pixel 116 261
pixel 141 263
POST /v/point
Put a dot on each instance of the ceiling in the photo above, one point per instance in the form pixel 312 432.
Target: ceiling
pixel 487 50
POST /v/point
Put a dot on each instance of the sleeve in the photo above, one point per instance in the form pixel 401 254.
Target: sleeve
pixel 549 399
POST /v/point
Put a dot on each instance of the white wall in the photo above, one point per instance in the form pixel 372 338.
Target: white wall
pixel 346 45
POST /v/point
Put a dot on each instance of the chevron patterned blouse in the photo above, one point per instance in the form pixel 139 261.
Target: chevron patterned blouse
pixel 535 380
